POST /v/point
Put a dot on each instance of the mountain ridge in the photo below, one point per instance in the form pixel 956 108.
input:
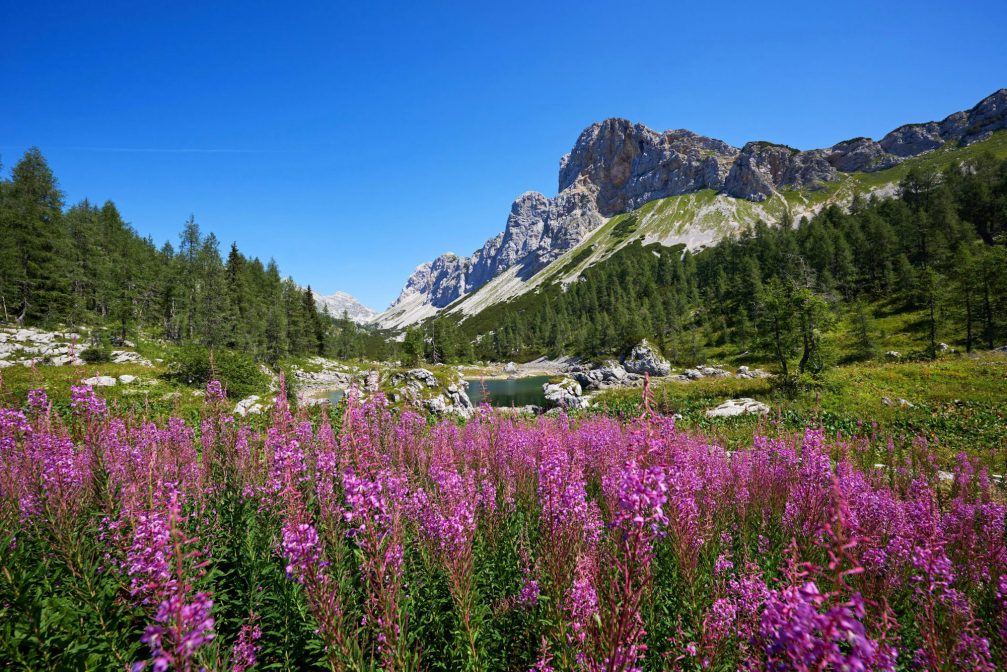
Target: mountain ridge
pixel 617 166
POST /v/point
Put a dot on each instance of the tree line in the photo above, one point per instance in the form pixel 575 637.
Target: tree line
pixel 84 265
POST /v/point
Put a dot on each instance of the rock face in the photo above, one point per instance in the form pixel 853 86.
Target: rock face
pixel 644 359
pixel 538 231
pixel 616 166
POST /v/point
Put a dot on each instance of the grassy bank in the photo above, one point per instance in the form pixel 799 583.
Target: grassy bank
pixel 961 400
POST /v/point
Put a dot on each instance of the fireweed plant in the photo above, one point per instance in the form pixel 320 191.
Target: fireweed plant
pixel 381 540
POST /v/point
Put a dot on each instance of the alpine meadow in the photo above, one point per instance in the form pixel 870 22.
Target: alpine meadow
pixel 709 405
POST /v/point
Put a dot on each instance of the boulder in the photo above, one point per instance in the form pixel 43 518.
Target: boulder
pixel 372 382
pixel 459 402
pixel 510 367
pixel 565 394
pixel 608 376
pixel 126 379
pixel 248 406
pixel 129 357
pixel 643 359
pixel 100 381
pixel 745 372
pixel 735 407
pixel 436 404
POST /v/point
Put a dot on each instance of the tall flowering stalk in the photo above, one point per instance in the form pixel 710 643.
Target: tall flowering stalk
pixel 301 546
pixel 804 628
pixel 638 521
pixel 375 524
pixel 446 518
pixel 570 528
pixel 164 563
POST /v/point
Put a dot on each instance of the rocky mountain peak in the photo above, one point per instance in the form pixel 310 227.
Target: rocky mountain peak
pixel 616 166
pixel 342 303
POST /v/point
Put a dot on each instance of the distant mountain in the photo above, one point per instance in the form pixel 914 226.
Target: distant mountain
pixel 341 302
pixel 617 167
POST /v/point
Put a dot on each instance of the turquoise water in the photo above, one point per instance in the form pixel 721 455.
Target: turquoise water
pixel 508 392
pixel 335 396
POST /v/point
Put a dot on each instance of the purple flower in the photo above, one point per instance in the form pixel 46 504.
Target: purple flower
pixel 85 402
pixel 180 628
pixel 214 391
pixel 301 549
pixel 246 647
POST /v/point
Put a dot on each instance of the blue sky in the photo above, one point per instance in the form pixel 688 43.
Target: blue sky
pixel 352 142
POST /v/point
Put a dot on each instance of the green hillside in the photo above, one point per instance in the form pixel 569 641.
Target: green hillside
pixel 904 258
pixel 702 218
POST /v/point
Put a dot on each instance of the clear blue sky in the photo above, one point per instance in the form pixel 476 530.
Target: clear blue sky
pixel 354 141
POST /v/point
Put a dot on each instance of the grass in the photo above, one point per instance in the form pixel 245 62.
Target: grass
pixel 160 399
pixel 958 401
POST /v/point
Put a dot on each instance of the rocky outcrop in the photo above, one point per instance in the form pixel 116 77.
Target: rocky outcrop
pixel 455 401
pixel 129 357
pixel 643 359
pixel 745 372
pixel 565 394
pixel 608 376
pixel 626 165
pixel 616 166
pixel 421 388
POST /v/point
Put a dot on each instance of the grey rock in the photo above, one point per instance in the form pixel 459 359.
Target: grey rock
pixel 129 357
pixel 745 372
pixel 565 394
pixel 628 164
pixel 248 406
pixel 735 407
pixel 372 382
pixel 912 139
pixel 100 381
pixel 643 359
pixel 126 379
pixel 436 404
pixel 606 377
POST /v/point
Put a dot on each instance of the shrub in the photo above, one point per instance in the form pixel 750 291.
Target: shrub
pixel 196 366
pixel 97 354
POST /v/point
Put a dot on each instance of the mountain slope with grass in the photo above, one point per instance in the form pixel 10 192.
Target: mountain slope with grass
pixel 623 182
pixel 698 220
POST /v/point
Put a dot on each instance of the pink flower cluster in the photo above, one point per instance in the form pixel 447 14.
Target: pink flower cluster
pixel 620 545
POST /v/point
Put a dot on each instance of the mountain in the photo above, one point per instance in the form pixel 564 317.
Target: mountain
pixel 341 302
pixel 697 188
